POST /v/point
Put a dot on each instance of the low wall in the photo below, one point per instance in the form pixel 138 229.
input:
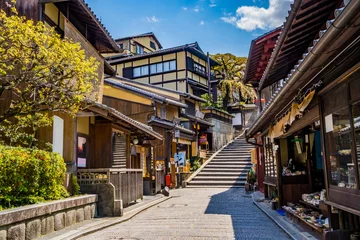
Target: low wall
pixel 32 221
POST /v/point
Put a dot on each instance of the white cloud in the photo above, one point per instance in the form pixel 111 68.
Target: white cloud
pixel 152 19
pixel 201 23
pixel 184 8
pixel 212 3
pixel 196 9
pixel 250 18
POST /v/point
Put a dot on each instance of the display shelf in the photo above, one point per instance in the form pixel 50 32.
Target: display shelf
pixel 310 205
pixel 320 230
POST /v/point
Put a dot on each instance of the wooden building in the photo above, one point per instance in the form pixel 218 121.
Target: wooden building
pixel 307 131
pixel 157 109
pixel 97 143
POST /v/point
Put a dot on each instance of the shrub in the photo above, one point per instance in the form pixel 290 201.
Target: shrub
pixel 195 163
pixel 30 176
pixel 75 187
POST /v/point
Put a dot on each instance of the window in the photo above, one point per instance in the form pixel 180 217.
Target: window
pixel 338 136
pixel 172 65
pixel 121 46
pixel 152 45
pixel 159 67
pixel 270 159
pixel 166 66
pixel 139 49
pixel 356 115
pixel 153 69
pixel 141 71
pixel 199 68
pixel 163 67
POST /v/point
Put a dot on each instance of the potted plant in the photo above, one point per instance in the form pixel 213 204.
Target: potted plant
pixel 250 180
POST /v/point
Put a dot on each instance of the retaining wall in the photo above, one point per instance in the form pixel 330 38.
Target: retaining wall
pixel 33 221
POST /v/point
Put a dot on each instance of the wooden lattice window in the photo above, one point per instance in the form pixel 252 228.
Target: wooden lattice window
pixel 270 160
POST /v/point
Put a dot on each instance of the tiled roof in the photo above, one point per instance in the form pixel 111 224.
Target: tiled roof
pixel 171 124
pixel 192 47
pixel 151 95
pixel 186 95
pixel 149 34
pixel 144 128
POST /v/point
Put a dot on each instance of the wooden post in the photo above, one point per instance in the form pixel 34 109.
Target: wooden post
pixel 279 174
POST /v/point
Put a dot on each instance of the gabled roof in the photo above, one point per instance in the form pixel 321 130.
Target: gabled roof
pixel 259 55
pixel 140 84
pixel 149 34
pixel 193 48
pixel 98 35
pixel 306 18
pixel 154 96
pixel 131 124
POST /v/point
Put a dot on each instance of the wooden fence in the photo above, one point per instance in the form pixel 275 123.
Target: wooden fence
pixel 128 183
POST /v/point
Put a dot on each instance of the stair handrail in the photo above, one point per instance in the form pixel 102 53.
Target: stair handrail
pixel 209 160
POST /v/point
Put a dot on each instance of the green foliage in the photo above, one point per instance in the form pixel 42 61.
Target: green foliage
pixel 75 187
pixel 251 176
pixel 232 88
pixel 42 73
pixel 210 103
pixel 29 176
pixel 195 163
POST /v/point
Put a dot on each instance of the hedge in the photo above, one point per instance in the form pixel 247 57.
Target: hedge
pixel 29 176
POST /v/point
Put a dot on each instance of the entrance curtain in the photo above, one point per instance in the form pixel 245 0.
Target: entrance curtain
pixel 279 128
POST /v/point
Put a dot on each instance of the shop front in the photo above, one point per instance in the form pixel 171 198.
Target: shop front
pixel 340 118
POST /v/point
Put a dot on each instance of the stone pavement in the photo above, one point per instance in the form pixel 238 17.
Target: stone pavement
pixel 198 213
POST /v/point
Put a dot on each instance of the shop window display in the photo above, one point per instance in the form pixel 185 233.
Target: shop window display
pixel 356 115
pixel 339 129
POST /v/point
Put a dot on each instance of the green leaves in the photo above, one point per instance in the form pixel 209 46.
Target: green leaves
pixel 29 176
pixel 232 88
pixel 41 73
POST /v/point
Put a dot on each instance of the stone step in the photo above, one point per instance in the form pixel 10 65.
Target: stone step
pixel 229 163
pixel 235 173
pixel 223 183
pixel 222 157
pixel 214 186
pixel 223 170
pixel 237 166
pixel 219 178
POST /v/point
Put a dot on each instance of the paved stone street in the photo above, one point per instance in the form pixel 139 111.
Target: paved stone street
pixel 196 213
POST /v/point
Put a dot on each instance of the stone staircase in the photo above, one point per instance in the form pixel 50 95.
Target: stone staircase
pixel 228 168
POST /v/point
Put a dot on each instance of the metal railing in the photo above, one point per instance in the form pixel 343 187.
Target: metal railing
pixel 128 183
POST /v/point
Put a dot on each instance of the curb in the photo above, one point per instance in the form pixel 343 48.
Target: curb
pixel 127 216
pixel 210 159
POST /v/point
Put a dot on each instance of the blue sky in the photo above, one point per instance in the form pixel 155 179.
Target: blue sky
pixel 219 26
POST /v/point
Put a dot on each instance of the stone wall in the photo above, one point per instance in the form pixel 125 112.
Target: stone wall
pixel 222 133
pixel 33 221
